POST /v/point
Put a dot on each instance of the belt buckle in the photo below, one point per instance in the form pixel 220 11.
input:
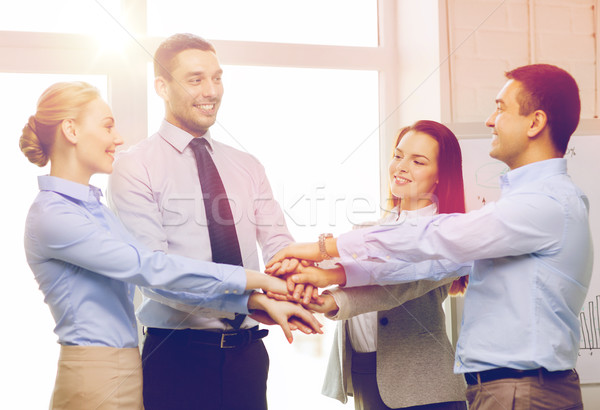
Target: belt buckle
pixel 223 346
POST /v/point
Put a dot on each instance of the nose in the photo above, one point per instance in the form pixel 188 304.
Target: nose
pixel 209 89
pixel 118 139
pixel 491 120
pixel 401 165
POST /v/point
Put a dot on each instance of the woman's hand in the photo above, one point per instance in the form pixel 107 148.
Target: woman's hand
pixel 327 307
pixel 289 316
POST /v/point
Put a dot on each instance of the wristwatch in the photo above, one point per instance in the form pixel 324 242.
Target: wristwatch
pixel 322 247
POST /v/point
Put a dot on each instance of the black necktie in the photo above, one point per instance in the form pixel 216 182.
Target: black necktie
pixel 219 219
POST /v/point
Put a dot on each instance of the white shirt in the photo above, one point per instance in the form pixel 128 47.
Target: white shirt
pixel 155 190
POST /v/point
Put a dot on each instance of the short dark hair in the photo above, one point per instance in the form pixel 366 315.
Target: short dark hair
pixel 450 191
pixel 553 90
pixel 173 45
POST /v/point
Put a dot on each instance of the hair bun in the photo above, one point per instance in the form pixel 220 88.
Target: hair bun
pixel 30 144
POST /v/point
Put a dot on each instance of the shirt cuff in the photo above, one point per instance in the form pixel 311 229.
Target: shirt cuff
pixel 341 299
pixel 235 303
pixel 233 279
pixel 351 245
pixel 356 273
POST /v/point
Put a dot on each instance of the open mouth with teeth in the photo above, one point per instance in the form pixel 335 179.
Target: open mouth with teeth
pixel 401 180
pixel 206 108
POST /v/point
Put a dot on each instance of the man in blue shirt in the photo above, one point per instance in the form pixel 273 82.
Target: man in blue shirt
pixel 530 254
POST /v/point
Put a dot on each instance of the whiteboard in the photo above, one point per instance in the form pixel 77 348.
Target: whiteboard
pixel 481 176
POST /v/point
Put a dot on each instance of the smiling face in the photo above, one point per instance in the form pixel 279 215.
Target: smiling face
pixel 509 128
pixel 97 139
pixel 414 170
pixel 193 95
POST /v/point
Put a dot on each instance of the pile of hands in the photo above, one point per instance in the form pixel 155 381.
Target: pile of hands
pixel 291 289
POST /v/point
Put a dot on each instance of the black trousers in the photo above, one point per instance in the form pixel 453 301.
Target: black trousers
pixel 183 375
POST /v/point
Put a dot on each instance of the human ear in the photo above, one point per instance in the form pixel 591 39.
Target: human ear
pixel 539 120
pixel 68 129
pixel 160 86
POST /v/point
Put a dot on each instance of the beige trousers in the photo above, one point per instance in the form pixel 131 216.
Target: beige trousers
pixel 98 377
pixel 527 393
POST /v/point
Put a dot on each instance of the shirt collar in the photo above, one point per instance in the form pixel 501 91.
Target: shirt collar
pixel 179 138
pixel 85 193
pixel 428 210
pixel 395 214
pixel 533 172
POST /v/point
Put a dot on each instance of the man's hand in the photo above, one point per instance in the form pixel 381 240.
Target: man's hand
pixel 289 316
pixel 318 277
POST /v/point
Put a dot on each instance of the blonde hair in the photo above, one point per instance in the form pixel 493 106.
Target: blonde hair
pixel 60 101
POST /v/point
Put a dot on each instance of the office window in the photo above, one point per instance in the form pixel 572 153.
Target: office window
pixel 94 17
pixel 326 22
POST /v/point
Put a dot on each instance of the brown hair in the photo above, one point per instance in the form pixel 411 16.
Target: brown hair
pixel 449 194
pixel 553 90
pixel 171 46
pixel 59 102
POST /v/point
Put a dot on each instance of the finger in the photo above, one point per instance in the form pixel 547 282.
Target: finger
pixel 309 319
pixel 298 291
pixel 293 264
pixel 286 330
pixel 291 285
pixel 299 278
pixel 301 326
pixel 304 262
pixel 316 298
pixel 277 296
pixel 277 258
pixel 308 293
pixel 272 270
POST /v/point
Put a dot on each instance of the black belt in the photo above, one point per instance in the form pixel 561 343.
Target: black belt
pixel 228 339
pixel 506 373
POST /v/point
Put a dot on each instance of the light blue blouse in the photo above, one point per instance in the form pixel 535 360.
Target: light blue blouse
pixel 87 266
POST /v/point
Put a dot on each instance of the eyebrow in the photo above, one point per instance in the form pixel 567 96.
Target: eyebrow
pixel 195 73
pixel 413 155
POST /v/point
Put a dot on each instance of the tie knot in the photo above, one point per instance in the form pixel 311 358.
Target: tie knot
pixel 198 143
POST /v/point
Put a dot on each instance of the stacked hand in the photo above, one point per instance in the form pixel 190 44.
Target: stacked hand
pixel 294 280
pixel 290 316
pixel 296 264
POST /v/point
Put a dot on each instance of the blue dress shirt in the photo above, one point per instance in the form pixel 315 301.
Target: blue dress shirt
pixel 87 266
pixel 532 254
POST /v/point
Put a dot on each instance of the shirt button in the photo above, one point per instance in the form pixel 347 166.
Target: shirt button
pixel 384 321
pixel 226 292
pixel 354 255
pixel 387 257
pixel 235 291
